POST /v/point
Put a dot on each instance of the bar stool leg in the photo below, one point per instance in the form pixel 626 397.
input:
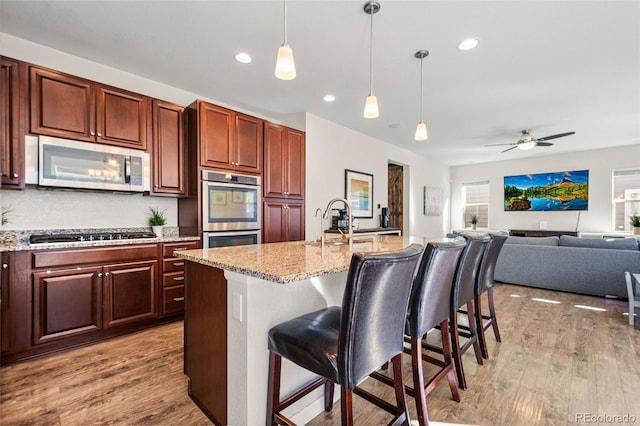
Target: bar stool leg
pixel 418 381
pixel 346 406
pixel 401 398
pixel 480 325
pixel 273 387
pixel 446 352
pixel 455 350
pixel 492 312
pixel 328 395
pixel 473 330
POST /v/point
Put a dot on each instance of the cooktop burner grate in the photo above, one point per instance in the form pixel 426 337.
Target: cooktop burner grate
pixel 71 238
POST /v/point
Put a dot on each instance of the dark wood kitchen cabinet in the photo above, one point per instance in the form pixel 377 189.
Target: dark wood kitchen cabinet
pixel 173 276
pixel 283 221
pixel 284 162
pixel 14 293
pixel 66 303
pixel 129 292
pixel 168 149
pixel 67 106
pixel 81 291
pixel 228 139
pixel 13 88
pixel 5 317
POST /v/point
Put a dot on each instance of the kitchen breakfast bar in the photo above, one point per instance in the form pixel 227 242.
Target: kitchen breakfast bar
pixel 234 295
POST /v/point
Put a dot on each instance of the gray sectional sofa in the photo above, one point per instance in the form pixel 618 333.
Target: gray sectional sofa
pixel 581 265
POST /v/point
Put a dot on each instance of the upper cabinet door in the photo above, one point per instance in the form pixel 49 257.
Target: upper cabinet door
pixel 168 149
pixel 66 106
pixel 122 118
pixel 274 161
pixel 284 162
pixel 248 143
pixel 216 137
pixel 12 125
pixel 295 164
pixel 62 105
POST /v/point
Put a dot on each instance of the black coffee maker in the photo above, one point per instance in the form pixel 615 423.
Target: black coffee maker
pixel 341 221
pixel 384 217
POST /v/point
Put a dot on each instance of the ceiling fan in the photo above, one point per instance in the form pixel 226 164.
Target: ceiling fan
pixel 527 141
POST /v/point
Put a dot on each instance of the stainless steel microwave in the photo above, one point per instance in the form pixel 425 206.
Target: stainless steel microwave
pixel 72 164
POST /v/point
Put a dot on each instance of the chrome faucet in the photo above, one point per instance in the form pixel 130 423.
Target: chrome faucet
pixel 319 210
pixel 347 204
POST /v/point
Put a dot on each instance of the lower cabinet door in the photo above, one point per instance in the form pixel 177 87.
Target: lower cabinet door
pixel 66 303
pixel 129 292
pixel 173 300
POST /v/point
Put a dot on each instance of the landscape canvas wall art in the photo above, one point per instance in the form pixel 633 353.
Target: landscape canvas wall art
pixel 547 191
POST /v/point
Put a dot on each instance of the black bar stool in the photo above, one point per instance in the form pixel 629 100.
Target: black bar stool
pixel 485 284
pixel 429 307
pixel 335 343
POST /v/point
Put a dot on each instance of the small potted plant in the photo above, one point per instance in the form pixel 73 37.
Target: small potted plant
pixel 157 220
pixel 635 222
pixel 474 221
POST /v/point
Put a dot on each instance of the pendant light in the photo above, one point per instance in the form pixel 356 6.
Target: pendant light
pixel 371 104
pixel 421 128
pixel 285 66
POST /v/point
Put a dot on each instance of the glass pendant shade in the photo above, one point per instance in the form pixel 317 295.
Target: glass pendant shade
pixel 371 107
pixel 285 66
pixel 421 132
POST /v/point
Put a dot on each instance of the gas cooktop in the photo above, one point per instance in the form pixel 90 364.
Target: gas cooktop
pixel 72 238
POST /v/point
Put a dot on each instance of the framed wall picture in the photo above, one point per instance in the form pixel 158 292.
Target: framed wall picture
pixel 358 189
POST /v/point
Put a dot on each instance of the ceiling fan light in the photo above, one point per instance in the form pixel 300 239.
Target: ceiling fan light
pixel 285 65
pixel 525 146
pixel 371 107
pixel 421 132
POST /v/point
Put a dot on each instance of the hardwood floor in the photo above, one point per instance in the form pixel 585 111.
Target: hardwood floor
pixel 555 363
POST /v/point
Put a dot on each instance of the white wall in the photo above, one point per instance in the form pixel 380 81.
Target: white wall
pixel 332 148
pixel 600 163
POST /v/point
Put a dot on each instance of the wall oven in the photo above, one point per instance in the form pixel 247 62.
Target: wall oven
pixel 231 209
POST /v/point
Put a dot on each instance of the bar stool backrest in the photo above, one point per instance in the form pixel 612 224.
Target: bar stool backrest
pixel 431 293
pixel 374 309
pixel 488 265
pixel 464 283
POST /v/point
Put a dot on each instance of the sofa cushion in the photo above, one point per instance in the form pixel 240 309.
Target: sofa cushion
pixel 609 243
pixel 533 241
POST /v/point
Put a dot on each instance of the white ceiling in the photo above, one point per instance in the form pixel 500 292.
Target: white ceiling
pixel 550 66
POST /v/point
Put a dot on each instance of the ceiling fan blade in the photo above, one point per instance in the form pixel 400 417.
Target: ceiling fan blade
pixel 544 144
pixel 509 149
pixel 501 144
pixel 559 135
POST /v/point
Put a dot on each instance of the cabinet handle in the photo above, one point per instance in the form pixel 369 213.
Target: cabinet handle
pixel 179 249
pixel 156 185
pixel 178 278
pixel 15 176
pixel 178 263
pixel 5 266
pixel 178 299
pixel 92 133
pixel 106 274
pixel 99 134
pixel 99 274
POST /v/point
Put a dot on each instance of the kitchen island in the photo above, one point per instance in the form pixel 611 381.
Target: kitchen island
pixel 234 295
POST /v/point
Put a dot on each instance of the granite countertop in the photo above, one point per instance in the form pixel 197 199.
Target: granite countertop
pixel 19 240
pixel 295 261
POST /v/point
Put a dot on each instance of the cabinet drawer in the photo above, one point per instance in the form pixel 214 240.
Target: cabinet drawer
pixel 169 248
pixel 98 255
pixel 173 300
pixel 173 278
pixel 174 264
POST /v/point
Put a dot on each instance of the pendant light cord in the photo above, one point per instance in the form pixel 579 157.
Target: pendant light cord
pixel 285 23
pixel 371 54
pixel 421 89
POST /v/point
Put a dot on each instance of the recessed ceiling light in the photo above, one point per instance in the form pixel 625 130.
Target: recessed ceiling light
pixel 468 44
pixel 243 57
pixel 329 98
